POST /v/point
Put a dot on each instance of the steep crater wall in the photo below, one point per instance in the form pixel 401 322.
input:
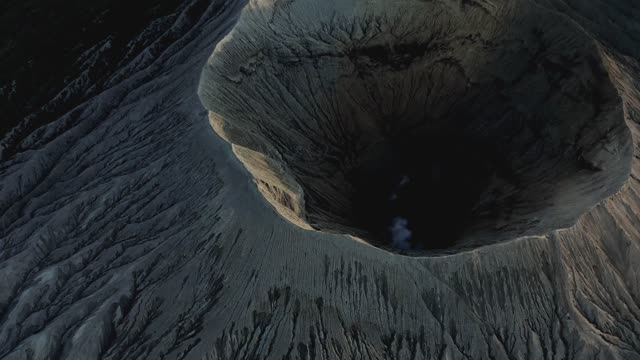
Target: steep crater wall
pixel 421 127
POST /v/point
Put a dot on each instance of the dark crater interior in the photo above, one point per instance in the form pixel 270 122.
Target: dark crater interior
pixel 428 191
pixel 441 141
pixel 481 164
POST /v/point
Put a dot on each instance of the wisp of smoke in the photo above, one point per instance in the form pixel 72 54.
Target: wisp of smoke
pixel 400 234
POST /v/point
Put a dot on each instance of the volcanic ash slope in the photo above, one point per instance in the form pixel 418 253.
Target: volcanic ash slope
pixel 129 230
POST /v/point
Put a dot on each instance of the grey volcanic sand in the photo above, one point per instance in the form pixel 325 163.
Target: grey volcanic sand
pixel 129 229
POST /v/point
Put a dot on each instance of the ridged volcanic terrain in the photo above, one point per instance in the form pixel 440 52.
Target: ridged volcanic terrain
pixel 130 230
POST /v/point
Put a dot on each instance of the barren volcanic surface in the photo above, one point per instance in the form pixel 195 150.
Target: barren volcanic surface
pixel 347 179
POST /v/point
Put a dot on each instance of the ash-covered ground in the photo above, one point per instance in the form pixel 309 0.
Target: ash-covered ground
pixel 130 230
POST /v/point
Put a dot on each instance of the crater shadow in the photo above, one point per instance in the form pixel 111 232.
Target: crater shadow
pixel 427 191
